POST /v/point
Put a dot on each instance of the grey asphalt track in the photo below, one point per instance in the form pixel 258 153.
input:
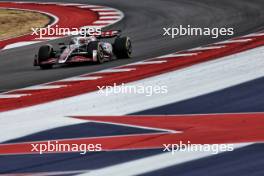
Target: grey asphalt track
pixel 143 22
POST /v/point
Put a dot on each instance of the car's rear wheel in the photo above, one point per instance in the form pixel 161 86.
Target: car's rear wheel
pixel 45 53
pixel 95 46
pixel 122 47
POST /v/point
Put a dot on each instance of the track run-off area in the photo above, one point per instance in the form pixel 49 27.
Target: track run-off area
pixel 62 16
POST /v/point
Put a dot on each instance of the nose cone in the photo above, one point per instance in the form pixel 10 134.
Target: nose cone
pixel 65 54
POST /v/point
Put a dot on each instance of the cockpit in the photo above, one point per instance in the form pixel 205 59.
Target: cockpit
pixel 82 40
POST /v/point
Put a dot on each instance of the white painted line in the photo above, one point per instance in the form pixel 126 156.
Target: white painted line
pixel 87 78
pixel 21 2
pixel 44 87
pixel 13 95
pixel 207 48
pixel 254 35
pixel 148 62
pixel 49 3
pixel 116 70
pixel 234 41
pixel 47 38
pixel 104 21
pixel 148 164
pixel 109 17
pixel 108 13
pixel 18 44
pixel 103 9
pixel 70 4
pixel 179 55
pixel 92 26
pixel 89 6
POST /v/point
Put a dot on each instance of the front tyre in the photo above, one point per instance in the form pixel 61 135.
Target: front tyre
pixel 122 47
pixel 45 52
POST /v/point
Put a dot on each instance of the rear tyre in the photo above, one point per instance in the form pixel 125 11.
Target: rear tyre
pixel 45 53
pixel 95 45
pixel 122 47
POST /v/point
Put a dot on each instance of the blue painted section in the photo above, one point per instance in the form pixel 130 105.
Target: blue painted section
pixel 247 97
pixel 68 161
pixel 247 161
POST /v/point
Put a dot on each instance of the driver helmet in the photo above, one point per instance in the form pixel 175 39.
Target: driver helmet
pixel 91 38
pixel 82 40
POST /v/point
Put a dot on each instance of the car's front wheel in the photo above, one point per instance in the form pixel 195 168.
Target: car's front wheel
pixel 45 52
pixel 96 46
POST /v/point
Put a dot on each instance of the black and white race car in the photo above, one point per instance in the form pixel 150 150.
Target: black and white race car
pixel 85 49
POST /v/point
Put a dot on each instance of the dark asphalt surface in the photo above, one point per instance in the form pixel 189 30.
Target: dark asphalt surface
pixel 143 22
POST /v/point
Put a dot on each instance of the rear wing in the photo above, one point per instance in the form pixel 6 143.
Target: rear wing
pixel 108 34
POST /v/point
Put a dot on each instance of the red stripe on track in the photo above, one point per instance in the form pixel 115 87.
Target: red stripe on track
pixel 198 129
pixel 108 79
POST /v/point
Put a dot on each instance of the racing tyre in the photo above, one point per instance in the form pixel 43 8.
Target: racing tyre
pixel 122 47
pixel 95 45
pixel 45 52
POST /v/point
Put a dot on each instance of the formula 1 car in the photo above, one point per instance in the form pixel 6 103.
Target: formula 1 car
pixel 85 49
